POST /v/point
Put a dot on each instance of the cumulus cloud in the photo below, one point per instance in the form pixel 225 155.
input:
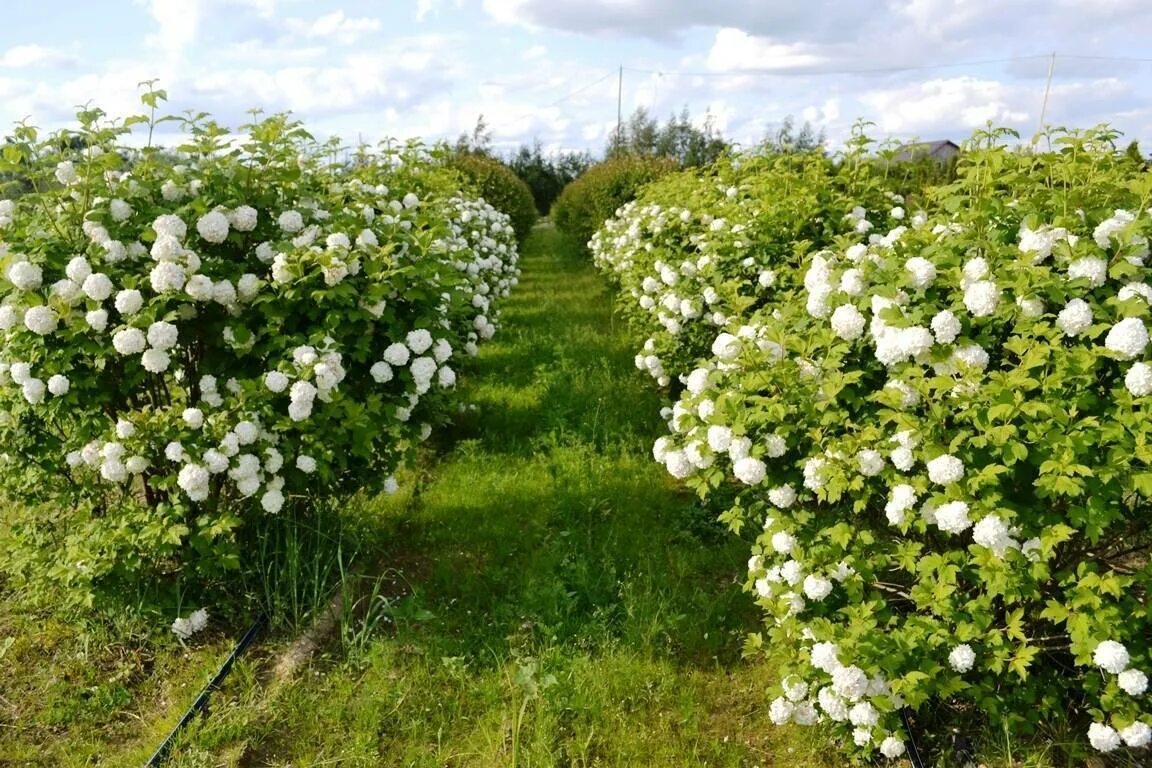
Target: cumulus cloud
pixel 334 26
pixel 24 56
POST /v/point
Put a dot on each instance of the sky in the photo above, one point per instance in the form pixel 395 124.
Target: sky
pixel 550 69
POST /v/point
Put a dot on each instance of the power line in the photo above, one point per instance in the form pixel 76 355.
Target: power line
pixel 580 90
pixel 801 72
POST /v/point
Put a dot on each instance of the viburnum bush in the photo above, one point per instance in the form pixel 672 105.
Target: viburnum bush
pixel 939 432
pixel 191 337
pixel 703 246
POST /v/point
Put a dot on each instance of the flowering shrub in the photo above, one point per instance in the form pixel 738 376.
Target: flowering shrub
pixel 938 432
pixel 499 185
pixel 189 338
pixel 594 196
pixel 700 247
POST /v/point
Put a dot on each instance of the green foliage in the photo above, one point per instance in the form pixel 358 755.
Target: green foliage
pixel 595 196
pixel 499 185
pixel 933 420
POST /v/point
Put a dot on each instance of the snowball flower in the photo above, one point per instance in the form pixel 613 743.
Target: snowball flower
pixel 817 588
pixel 25 275
pixel 891 747
pixel 945 469
pixel 962 658
pixel 749 471
pixel 97 286
pixel 849 682
pixel 1133 682
pixel 129 341
pixel 1075 318
pixel 66 172
pixel 1103 738
pixel 1136 735
pixel 291 221
pixel 823 656
pixel 1111 656
pixel 170 225
pixel 945 327
pixel 306 464
pixel 129 301
pixel 863 715
pixel 780 711
pixel 59 385
pixel 981 298
pixel 847 322
pixel 726 347
pixel 921 271
pixel 381 372
pixel 78 269
pixel 194 480
pixel 397 354
pixel 193 417
pixel 419 341
pixel 199 288
pixel 775 446
pixel 166 277
pixel 33 391
pixel 97 319
pixel 1127 338
pixel 1092 269
pixel 275 381
pixel 243 218
pixel 41 320
pixel 992 532
pixel 155 360
pixel 782 497
pixel 272 501
pixel 162 335
pixel 902 498
pixel 953 517
pixel 871 462
pixel 783 542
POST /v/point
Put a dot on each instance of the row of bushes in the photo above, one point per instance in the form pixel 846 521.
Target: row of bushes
pixel 192 340
pixel 931 418
pixel 592 198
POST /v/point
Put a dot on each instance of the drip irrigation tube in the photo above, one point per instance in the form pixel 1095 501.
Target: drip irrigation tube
pixel 913 750
pixel 201 702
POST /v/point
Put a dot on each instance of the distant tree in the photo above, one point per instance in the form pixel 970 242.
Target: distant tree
pixel 1135 155
pixel 786 139
pixel 479 142
pixel 546 176
pixel 678 139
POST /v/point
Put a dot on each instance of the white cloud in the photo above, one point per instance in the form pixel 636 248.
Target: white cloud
pixel 334 26
pixel 734 50
pixel 22 56
pixel 178 22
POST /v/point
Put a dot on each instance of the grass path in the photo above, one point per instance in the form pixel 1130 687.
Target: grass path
pixel 567 605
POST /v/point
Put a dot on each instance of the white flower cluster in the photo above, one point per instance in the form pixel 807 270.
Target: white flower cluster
pixel 196 621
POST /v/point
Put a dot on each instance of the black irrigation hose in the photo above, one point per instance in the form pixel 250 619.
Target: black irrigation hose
pixel 913 750
pixel 201 702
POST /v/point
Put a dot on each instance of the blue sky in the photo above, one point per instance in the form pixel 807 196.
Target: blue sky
pixel 547 68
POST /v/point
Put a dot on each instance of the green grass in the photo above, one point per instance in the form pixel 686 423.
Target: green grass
pixel 539 594
pixel 567 604
pixel 552 598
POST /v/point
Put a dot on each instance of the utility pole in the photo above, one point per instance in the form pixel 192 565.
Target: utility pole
pixel 1047 90
pixel 620 108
